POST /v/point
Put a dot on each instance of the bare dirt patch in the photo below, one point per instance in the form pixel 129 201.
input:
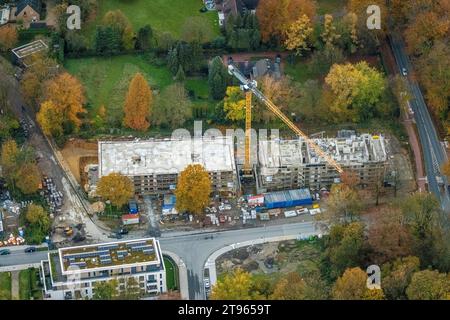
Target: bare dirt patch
pixel 274 258
pixel 76 150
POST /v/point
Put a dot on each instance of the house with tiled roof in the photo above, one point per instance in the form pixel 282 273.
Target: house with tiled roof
pixel 28 11
pixel 226 8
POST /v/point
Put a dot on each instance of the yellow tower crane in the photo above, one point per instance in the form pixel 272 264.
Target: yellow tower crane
pixel 251 87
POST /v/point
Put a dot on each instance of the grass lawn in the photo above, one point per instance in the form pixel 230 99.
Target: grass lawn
pixel 199 86
pixel 302 70
pixel 5 286
pixel 171 274
pixel 162 15
pixel 24 285
pixel 28 285
pixel 329 6
pixel 107 79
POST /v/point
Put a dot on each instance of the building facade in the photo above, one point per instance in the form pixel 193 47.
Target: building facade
pixel 73 272
pixel 291 164
pixel 154 165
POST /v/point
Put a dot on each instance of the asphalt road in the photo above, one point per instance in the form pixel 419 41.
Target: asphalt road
pixel 193 249
pixel 19 257
pixel 433 152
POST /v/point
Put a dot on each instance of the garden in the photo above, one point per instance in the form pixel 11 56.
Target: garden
pixel 162 15
pixel 5 286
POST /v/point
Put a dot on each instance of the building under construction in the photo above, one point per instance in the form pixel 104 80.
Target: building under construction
pixel 291 164
pixel 154 165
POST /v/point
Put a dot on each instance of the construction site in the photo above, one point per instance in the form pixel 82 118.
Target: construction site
pixel 154 165
pixel 291 164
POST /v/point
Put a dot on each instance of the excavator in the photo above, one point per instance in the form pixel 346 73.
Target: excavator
pixel 250 87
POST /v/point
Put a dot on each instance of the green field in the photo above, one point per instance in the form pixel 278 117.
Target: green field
pixel 28 285
pixel 5 286
pixel 329 6
pixel 171 274
pixel 106 80
pixel 162 15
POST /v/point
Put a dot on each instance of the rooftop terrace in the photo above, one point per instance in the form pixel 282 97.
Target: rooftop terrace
pixel 107 255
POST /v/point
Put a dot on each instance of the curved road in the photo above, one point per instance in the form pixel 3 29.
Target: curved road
pixel 193 249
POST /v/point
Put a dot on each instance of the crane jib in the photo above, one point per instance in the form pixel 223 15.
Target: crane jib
pixel 251 86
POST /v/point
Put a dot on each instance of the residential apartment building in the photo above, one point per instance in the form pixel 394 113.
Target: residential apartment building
pixel 72 272
pixel 154 165
pixel 291 164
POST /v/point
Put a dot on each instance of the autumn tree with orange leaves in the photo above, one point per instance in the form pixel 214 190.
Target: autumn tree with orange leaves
pixel 193 189
pixel 66 94
pixel 276 16
pixel 8 38
pixel 138 104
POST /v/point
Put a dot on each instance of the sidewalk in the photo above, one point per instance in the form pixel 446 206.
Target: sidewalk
pixel 415 146
pixel 15 285
pixel 182 274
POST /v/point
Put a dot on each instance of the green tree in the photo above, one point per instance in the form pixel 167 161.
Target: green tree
pixel 118 21
pixel 28 178
pixel 172 107
pixel 429 285
pixel 144 38
pixel 356 90
pixel 218 79
pixel 8 123
pixel 426 223
pixel 397 275
pixel 234 104
pixel 105 290
pixel 345 247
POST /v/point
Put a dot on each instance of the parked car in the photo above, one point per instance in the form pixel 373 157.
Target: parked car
pixel 4 252
pixel 404 72
pixel 30 249
pixel 206 282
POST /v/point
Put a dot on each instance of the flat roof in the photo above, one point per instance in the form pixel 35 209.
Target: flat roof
pixel 105 256
pixel 29 49
pixel 149 157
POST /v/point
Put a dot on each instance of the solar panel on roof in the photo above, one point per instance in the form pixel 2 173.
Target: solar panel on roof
pixel 108 247
pixel 133 244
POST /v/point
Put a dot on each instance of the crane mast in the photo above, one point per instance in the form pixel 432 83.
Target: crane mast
pixel 250 87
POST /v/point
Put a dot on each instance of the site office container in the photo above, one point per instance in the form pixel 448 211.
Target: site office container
pixel 128 219
pixel 290 198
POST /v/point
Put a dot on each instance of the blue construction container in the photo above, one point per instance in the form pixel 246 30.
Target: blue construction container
pixel 290 198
